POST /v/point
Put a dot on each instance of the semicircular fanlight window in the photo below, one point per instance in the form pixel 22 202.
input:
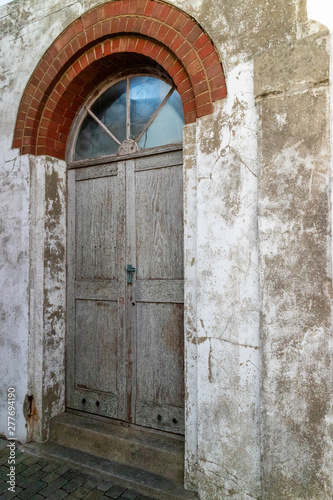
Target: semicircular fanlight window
pixel 135 113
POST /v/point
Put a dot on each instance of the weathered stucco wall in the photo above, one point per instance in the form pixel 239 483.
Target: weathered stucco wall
pixel 220 163
pixel 46 365
pixel 239 443
pixel 227 295
pixel 295 232
pixel 14 276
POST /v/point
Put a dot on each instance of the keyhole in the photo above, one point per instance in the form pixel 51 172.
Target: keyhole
pixel 97 404
pixel 159 418
pixel 84 401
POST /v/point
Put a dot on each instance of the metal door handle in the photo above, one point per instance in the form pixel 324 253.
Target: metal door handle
pixel 130 270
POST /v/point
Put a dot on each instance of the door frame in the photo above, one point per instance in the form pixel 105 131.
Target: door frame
pixel 47 356
pixel 175 159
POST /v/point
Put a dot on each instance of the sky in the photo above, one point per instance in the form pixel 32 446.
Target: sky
pixel 322 11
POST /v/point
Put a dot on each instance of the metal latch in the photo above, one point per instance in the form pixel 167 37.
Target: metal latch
pixel 130 270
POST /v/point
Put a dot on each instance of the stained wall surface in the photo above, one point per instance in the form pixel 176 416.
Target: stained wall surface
pixel 258 286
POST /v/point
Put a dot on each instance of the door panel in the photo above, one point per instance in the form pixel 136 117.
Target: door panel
pixel 159 294
pixel 159 222
pixel 96 351
pixel 160 360
pixel 125 341
pixel 96 345
pixel 96 228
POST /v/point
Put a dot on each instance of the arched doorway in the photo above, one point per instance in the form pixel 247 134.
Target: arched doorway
pixel 125 328
pixel 109 38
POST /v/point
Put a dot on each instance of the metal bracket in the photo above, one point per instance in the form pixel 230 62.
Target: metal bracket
pixel 130 270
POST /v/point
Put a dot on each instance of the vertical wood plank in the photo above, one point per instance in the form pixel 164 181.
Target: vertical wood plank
pixel 96 293
pixel 160 358
pixel 130 302
pixel 96 227
pixel 120 272
pixel 159 199
pixel 70 368
pixel 159 281
pixel 97 345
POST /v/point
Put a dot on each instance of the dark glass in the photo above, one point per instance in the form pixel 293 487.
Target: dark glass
pixel 93 141
pixel 110 108
pixel 146 95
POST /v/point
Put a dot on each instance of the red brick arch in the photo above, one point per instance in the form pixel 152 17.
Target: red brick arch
pixel 79 59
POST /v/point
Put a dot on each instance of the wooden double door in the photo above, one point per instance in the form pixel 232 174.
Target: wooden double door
pixel 125 349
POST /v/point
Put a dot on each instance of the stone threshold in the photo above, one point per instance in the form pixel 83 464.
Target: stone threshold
pixel 148 462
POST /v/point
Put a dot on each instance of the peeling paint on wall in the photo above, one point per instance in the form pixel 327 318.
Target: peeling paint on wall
pixel 258 286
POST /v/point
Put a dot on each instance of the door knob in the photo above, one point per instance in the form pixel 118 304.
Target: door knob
pixel 130 270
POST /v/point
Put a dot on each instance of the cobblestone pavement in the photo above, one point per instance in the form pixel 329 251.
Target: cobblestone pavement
pixel 39 478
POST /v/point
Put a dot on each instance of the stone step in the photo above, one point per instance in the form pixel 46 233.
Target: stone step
pixel 150 451
pixel 146 483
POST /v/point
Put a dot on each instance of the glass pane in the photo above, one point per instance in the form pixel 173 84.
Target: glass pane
pixel 167 128
pixel 146 94
pixel 93 141
pixel 110 108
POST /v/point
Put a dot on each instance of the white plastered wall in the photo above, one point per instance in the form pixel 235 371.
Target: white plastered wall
pixel 222 294
pixel 222 307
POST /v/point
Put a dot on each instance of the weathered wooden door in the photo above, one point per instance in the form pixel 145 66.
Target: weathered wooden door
pixel 125 328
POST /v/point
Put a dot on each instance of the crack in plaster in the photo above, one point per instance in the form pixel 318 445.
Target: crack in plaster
pixel 231 477
pixel 300 89
pixel 237 344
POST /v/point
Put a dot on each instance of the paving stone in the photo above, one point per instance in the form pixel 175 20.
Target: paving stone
pixel 72 485
pixel 21 458
pixel 43 462
pixel 3 473
pixel 94 495
pixel 58 495
pixel 52 487
pixel 31 460
pixel 71 474
pixel 51 477
pixel 40 474
pixel 4 459
pixel 143 497
pixel 49 468
pixel 105 485
pixel 130 494
pixel 3 443
pixel 31 491
pixel 3 486
pixel 41 479
pixel 26 481
pixel 19 478
pixel 83 477
pixel 20 467
pixel 9 494
pixel 79 493
pixel 115 492
pixel 30 470
pixel 92 482
pixel 62 469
